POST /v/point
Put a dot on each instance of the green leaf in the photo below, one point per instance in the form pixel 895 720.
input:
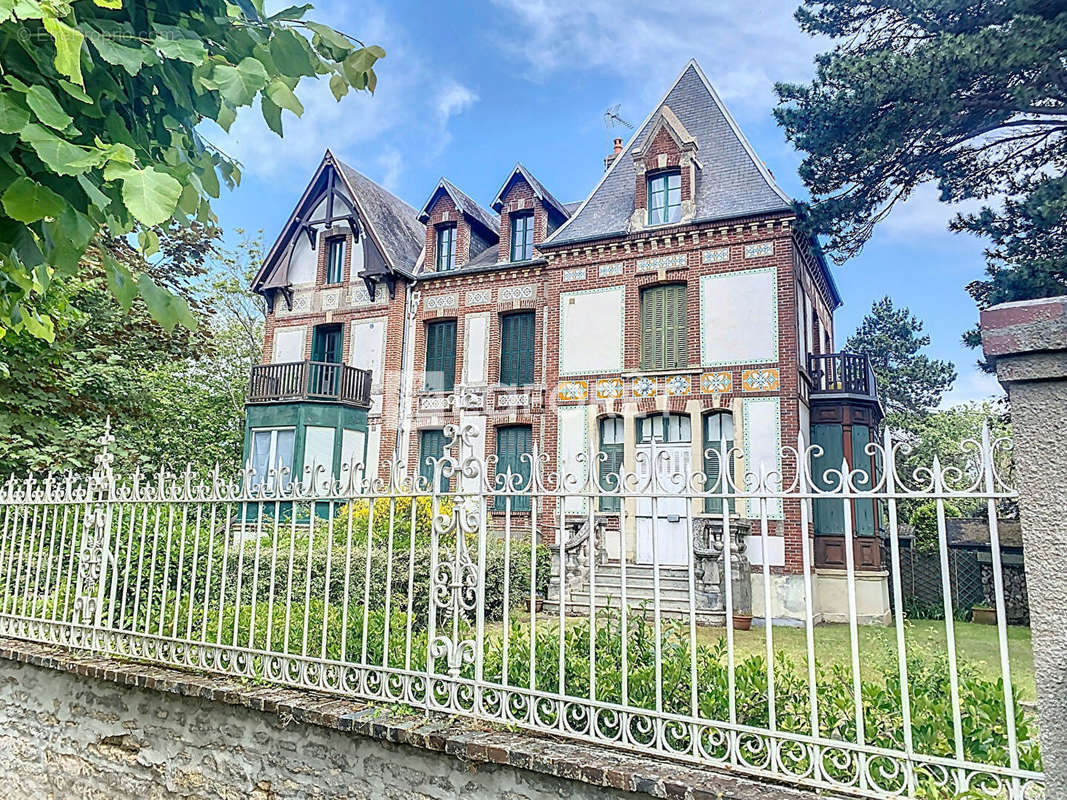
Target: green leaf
pixel 48 110
pixel 150 195
pixel 148 241
pixel 283 97
pixel 119 280
pixel 27 201
pixel 338 85
pixel 75 91
pixel 59 155
pixel 112 4
pixel 226 116
pixel 191 50
pixel 92 191
pixel 292 12
pixel 208 177
pixel 12 116
pixel 189 200
pixel 41 327
pixel 130 59
pixel 68 48
pixel 291 54
pixel 165 308
pixel 240 84
pixel 272 115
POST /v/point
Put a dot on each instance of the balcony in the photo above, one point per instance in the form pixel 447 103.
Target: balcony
pixel 844 375
pixel 310 380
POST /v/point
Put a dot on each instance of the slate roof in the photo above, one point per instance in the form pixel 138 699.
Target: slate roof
pixel 540 192
pixel 733 182
pixel 395 223
pixel 464 203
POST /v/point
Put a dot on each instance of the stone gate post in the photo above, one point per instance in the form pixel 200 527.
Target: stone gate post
pixel 1027 341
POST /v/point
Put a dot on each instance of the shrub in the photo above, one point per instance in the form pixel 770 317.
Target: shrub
pixel 924 521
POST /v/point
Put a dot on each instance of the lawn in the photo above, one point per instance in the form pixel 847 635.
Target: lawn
pixel 976 646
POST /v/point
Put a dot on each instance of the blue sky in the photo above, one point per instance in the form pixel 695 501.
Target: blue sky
pixel 468 89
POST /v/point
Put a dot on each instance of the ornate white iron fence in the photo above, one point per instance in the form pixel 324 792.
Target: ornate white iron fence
pixel 440 594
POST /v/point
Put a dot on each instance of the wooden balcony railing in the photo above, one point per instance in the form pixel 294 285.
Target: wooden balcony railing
pixel 310 380
pixel 842 373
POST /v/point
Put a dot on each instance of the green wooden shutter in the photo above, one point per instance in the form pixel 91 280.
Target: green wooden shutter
pixel 610 467
pixel 864 522
pixel 432 445
pixel 517 348
pixel 441 355
pixel 663 327
pixel 512 442
pixel 828 513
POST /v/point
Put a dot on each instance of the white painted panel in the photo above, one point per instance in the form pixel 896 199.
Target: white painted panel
pixel 368 345
pixel 374 442
pixel 762 423
pixel 476 348
pixel 809 333
pixel 573 439
pixel 353 445
pixel 318 451
pixel 476 449
pixel 289 344
pixel 591 331
pixel 739 317
pixel 304 264
pixel 775 550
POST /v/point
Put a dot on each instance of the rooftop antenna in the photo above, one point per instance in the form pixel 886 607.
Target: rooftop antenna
pixel 612 118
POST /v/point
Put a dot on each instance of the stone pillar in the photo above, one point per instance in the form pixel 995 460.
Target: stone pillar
pixel 1027 341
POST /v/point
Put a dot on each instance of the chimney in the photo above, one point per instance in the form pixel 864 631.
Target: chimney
pixel 613 155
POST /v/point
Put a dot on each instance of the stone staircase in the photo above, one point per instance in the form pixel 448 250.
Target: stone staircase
pixel 640 593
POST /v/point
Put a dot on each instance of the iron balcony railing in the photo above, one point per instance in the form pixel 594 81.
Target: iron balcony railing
pixel 310 380
pixel 842 373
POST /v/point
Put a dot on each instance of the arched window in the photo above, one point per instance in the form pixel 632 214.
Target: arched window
pixel 663 328
pixel 718 443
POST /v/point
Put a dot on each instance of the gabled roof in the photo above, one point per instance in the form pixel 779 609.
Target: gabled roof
pixel 464 203
pixel 389 221
pixel 733 181
pixel 540 192
pixel 394 222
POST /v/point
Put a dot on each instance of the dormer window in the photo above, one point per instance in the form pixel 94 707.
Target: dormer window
pixel 446 248
pixel 665 197
pixel 522 230
pixel 335 261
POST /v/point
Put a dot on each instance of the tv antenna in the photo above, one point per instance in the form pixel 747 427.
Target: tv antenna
pixel 612 118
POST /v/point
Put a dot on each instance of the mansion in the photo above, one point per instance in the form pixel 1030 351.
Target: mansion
pixel 677 307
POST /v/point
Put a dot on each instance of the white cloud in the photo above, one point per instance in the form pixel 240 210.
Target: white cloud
pixel 453 98
pixel 972 385
pixel 742 52
pixel 923 213
pixel 410 112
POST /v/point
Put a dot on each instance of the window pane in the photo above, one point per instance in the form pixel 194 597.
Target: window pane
pixel 335 262
pixel 260 456
pixel 432 445
pixel 440 355
pixel 678 429
pixel 717 446
pixel 446 248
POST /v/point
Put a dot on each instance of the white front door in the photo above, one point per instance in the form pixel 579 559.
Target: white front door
pixel 661 511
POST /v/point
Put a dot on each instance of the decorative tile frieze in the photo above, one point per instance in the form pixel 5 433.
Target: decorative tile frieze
pixel 759 249
pixel 518 293
pixel 760 380
pixel 716 256
pixel 716 383
pixel 610 270
pixel 331 299
pixel 572 391
pixel 479 297
pixel 435 403
pixel 609 388
pixel 513 400
pixel 678 385
pixel 576 274
pixel 302 303
pixel 675 261
pixel 442 301
pixel 644 387
pixel 359 296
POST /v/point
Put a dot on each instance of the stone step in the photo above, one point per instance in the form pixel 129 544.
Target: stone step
pixel 668 610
